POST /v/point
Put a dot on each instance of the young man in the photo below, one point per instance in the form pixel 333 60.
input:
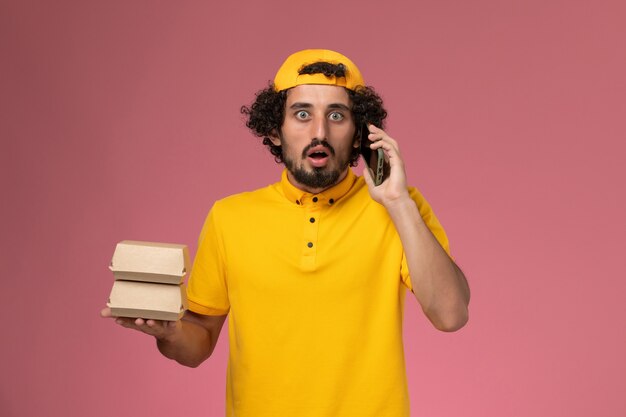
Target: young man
pixel 312 270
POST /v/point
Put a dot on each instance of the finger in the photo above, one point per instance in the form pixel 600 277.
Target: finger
pixel 125 322
pixel 140 325
pixel 387 146
pixel 373 128
pixel 375 137
pixel 156 323
pixel 153 325
pixel 105 312
pixel 375 133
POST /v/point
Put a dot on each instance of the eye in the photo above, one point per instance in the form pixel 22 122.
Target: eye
pixel 302 114
pixel 335 116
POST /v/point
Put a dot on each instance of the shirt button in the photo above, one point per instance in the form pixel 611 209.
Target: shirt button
pixel 312 219
pixel 310 244
pixel 331 201
pixel 315 199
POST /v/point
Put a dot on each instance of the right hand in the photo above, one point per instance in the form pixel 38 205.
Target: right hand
pixel 162 330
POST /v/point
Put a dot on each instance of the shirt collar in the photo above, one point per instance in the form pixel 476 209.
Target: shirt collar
pixel 329 196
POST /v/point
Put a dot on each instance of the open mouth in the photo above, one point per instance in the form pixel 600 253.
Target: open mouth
pixel 318 155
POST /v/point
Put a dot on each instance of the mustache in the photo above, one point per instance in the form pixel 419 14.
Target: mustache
pixel 317 142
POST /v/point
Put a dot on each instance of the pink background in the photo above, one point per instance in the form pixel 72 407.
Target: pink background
pixel 120 120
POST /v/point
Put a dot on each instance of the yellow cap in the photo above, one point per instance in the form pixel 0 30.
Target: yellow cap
pixel 288 75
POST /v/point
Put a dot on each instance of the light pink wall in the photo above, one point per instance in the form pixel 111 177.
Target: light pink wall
pixel 120 120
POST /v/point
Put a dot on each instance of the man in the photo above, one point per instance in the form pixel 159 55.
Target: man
pixel 312 271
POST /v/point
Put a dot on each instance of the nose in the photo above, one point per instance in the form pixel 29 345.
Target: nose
pixel 320 128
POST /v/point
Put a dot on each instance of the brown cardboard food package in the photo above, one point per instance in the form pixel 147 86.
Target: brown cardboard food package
pixel 149 280
pixel 148 300
pixel 150 262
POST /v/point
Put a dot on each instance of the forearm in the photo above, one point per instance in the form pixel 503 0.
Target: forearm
pixel 439 285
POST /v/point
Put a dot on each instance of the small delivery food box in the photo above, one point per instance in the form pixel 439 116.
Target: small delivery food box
pixel 167 263
pixel 149 280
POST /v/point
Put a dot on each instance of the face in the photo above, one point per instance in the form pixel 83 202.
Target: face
pixel 317 136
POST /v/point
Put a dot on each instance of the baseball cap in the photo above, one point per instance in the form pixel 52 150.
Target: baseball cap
pixel 288 75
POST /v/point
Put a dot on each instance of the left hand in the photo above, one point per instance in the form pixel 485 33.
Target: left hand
pixel 394 188
pixel 160 329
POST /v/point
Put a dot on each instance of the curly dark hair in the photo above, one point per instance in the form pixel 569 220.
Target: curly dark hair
pixel 265 116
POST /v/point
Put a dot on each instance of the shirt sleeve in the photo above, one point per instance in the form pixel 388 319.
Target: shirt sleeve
pixel 207 289
pixel 433 225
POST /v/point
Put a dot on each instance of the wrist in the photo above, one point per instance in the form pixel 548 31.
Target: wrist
pixel 399 203
pixel 170 333
pixel 404 212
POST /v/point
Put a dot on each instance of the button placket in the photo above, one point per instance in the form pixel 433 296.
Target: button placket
pixel 311 226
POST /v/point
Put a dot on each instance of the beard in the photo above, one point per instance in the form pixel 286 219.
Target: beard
pixel 316 178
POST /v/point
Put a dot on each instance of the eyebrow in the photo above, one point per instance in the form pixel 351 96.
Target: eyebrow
pixel 301 105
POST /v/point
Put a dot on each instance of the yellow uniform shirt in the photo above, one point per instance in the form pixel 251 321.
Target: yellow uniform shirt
pixel 314 286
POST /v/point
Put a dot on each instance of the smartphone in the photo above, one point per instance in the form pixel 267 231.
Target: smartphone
pixel 374 159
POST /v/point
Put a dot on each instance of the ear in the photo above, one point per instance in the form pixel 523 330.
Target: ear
pixel 275 138
pixel 356 143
